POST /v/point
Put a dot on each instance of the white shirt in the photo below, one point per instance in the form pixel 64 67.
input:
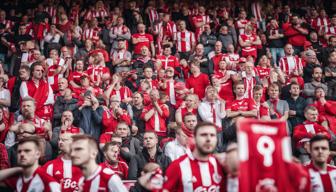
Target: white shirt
pixel 174 150
pixel 205 112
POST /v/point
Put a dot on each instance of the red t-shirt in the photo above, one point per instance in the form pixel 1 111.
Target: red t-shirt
pixel 244 104
pixel 143 40
pixel 121 169
pixel 199 84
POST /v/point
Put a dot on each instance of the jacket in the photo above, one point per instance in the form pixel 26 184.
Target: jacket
pixel 91 121
pixel 139 161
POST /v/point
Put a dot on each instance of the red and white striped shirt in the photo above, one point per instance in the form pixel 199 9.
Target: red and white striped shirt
pixel 320 22
pixel 256 10
pixel 322 180
pixel 92 34
pixel 51 11
pixel 8 24
pixel 329 30
pixel 103 179
pixel 289 64
pixel 184 41
pixel 66 174
pixel 152 15
pixel 240 25
pixel 189 174
pixel 40 181
pixel 89 15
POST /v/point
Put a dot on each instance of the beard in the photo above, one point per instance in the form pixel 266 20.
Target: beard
pixel 204 152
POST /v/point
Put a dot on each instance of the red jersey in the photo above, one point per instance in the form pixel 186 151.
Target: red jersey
pixel 123 93
pixel 121 168
pixel 189 174
pixel 110 122
pixel 103 179
pixel 216 59
pixel 64 173
pixel 97 72
pixel 184 41
pixel 251 50
pixel 75 76
pixel 143 40
pixel 40 181
pixel 307 130
pixel 198 83
pixel 244 104
pixel 320 180
pixel 262 72
pixel 157 122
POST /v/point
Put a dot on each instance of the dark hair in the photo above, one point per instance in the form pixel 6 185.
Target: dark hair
pixel 294 83
pixel 317 138
pixel 25 67
pixel 203 124
pixel 188 114
pixel 110 144
pixel 31 139
pixel 37 63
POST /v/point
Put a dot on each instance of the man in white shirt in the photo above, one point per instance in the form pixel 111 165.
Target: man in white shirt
pixel 212 109
pixel 178 147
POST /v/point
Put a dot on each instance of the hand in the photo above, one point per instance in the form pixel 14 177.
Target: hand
pixel 292 112
pixel 125 149
pixel 134 130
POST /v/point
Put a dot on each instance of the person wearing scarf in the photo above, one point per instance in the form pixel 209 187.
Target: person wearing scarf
pixel 279 109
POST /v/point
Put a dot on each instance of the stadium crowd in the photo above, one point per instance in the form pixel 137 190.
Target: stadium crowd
pixel 96 95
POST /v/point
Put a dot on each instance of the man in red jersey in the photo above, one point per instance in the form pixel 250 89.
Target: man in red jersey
pixel 322 175
pixel 198 81
pixel 112 160
pixel 84 151
pixel 31 177
pixel 141 39
pixel 40 90
pixel 241 107
pixel 199 170
pixel 61 168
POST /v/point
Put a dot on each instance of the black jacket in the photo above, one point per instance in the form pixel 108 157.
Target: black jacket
pixel 139 161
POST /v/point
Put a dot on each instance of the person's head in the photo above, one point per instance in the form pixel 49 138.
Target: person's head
pixel 111 152
pixel 264 61
pixel 317 74
pixel 37 70
pixel 332 41
pixel 64 143
pixel 145 85
pixel 181 25
pixel 311 113
pixel 169 72
pixel 181 137
pixel 218 47
pixel 166 50
pixel 62 84
pixel 116 139
pixel 53 54
pixel 25 130
pixel 332 57
pixel 199 50
pixel 333 20
pixel 141 28
pixel 274 91
pixel 248 29
pixel 24 72
pixel 222 65
pixel 230 48
pixel 67 116
pixel 211 93
pixel 242 14
pixel 288 49
pixel 295 20
pixel 258 93
pixel 294 89
pixel 137 98
pixel 150 167
pixel 239 89
pixel 224 30
pixel 190 121
pixel 144 51
pixel 28 107
pixel 84 150
pixel 195 67
pixel 114 102
pixel 148 72
pixel 150 140
pixel 249 68
pixel 123 129
pixel 319 93
pixel 310 56
pixel 154 94
pixel 121 44
pixel 274 24
pixel 313 36
pixel 28 151
pixel 79 65
pixel 205 135
pixel 319 149
pixel 191 101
